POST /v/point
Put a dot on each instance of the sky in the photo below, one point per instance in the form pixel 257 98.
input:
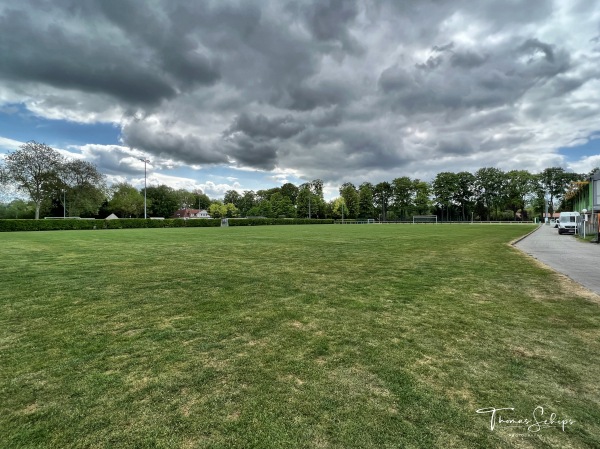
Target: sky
pixel 251 94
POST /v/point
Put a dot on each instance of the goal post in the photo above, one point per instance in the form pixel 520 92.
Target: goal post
pixel 419 219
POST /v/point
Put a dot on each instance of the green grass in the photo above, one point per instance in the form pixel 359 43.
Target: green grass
pixel 289 337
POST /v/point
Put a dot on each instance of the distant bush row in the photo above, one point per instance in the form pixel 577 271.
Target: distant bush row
pixel 67 224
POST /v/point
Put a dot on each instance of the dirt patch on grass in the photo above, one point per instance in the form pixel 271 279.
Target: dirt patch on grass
pixel 30 409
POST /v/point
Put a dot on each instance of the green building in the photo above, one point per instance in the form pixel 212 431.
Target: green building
pixel 586 195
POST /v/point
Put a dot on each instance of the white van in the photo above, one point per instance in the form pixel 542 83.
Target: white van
pixel 567 222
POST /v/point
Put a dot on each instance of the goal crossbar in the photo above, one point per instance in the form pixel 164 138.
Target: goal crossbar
pixel 425 219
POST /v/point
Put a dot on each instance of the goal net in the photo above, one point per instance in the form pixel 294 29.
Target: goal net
pixel 425 219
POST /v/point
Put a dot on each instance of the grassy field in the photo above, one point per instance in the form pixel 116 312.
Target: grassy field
pixel 291 337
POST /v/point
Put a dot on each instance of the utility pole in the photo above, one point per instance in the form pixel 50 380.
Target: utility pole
pixel 145 161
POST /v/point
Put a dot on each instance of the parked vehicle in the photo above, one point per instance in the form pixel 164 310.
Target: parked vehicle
pixel 567 222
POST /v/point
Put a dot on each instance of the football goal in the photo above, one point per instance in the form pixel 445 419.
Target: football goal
pixel 425 219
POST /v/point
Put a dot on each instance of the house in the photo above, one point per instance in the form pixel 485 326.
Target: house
pixel 191 213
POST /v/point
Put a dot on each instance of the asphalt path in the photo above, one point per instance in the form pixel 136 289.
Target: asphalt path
pixel 566 254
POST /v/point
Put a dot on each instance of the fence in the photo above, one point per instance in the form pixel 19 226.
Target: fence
pixel 589 227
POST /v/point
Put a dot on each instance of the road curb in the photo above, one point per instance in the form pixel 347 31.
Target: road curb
pixel 517 240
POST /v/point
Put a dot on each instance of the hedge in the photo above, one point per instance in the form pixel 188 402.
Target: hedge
pixel 130 223
pixel 275 221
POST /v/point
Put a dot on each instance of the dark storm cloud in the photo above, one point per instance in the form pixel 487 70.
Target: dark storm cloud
pixel 328 21
pixel 324 94
pixel 114 160
pixel 467 59
pixel 467 80
pixel 261 126
pixel 53 56
pixel 162 142
pixel 532 46
pixel 249 153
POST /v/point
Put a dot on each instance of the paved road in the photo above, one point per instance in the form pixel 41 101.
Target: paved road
pixel 567 255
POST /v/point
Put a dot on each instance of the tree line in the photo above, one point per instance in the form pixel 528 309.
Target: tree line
pixel 58 186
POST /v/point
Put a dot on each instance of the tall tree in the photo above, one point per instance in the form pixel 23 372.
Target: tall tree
pixel 445 186
pixel 382 197
pixel 422 201
pixel 366 208
pixel 247 202
pixel 201 200
pixel 403 193
pixel 290 191
pixel 555 181
pixel 520 185
pixel 310 202
pixel 282 206
pixel 185 198
pixel 339 208
pixel 34 169
pixel 351 202
pixel 233 197
pixel 465 190
pixel 162 201
pixel 490 186
pixel 305 202
pixel 126 201
pixel 84 187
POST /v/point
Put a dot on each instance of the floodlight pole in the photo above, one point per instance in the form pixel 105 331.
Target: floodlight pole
pixel 64 203
pixel 309 195
pixel 342 213
pixel 145 161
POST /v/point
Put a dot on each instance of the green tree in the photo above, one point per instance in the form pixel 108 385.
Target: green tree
pixel 490 191
pixel 82 186
pixel 201 200
pixel 422 201
pixel 217 210
pixel 555 181
pixel 366 208
pixel 231 211
pixel 382 197
pixel 402 199
pixel 338 208
pixel 520 185
pixel 18 209
pixel 444 187
pixel 162 201
pixel 185 199
pixel 465 190
pixel 247 202
pixel 289 190
pixel 233 197
pixel 34 169
pixel 351 200
pixel 126 201
pixel 310 202
pixel 282 206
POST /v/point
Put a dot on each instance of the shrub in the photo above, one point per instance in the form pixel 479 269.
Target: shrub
pixel 46 225
pixel 130 223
